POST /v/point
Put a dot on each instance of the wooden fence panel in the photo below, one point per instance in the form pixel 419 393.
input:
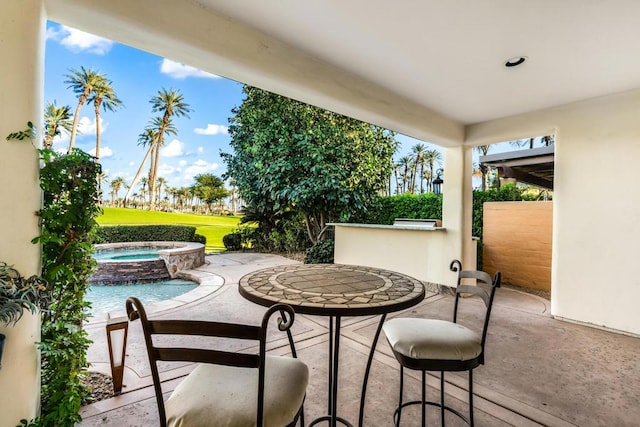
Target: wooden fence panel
pixel 517 241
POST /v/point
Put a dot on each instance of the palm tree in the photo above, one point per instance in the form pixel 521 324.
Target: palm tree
pixel 143 185
pixel 170 192
pixel 116 185
pixel 193 197
pixel 396 170
pixel 161 181
pixel 548 140
pixel 483 150
pixel 148 138
pixel 170 103
pixel 83 82
pixel 233 195
pixel 103 95
pixel 431 157
pixel 419 151
pixel 183 195
pixel 55 119
pixel 405 167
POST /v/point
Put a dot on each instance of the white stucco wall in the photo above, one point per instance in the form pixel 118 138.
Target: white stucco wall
pixel 22 26
pixel 418 253
pixel 596 230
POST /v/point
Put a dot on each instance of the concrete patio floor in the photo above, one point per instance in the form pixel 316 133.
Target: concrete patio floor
pixel 539 371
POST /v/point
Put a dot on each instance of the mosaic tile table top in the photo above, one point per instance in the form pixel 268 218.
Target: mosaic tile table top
pixel 332 289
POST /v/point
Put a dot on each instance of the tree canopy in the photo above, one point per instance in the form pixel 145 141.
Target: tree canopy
pixel 210 189
pixel 288 155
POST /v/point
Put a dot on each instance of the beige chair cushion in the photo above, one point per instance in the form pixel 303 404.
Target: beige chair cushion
pixel 214 395
pixel 432 339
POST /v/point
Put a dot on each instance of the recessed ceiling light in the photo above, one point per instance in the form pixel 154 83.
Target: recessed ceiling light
pixel 515 61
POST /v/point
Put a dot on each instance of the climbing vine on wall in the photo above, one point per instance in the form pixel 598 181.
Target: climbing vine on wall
pixel 68 221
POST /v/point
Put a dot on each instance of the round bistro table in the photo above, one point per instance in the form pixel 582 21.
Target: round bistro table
pixel 334 290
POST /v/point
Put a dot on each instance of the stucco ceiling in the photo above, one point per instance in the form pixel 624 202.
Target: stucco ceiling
pixel 449 54
pixel 425 68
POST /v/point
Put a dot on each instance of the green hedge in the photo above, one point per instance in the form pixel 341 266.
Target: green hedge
pixel 148 233
pixel 384 210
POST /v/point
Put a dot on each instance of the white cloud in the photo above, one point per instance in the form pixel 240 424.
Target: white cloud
pixel 174 149
pixel 104 152
pixel 198 167
pixel 181 176
pixel 87 126
pixel 132 163
pixel 62 139
pixel 79 41
pixel 182 71
pixel 212 129
pixel 200 150
pixel 166 170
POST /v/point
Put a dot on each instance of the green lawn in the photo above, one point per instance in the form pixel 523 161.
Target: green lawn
pixel 210 226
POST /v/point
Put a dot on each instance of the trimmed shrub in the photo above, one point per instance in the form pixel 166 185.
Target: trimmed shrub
pixel 148 233
pixel 199 238
pixel 320 253
pixel 233 241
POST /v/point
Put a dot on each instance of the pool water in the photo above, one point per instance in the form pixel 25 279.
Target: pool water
pixel 106 298
pixel 128 254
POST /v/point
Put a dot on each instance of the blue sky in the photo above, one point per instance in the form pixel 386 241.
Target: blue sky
pixel 137 76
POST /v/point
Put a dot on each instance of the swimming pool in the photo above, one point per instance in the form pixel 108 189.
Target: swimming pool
pixel 129 254
pixel 139 262
pixel 107 298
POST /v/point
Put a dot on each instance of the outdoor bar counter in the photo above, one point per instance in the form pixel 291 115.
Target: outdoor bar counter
pixel 412 249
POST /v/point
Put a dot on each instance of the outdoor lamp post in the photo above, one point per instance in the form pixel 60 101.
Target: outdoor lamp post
pixel 437 183
pixel 117 329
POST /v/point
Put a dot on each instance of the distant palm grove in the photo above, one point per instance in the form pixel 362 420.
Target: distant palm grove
pixel 413 173
pixel 149 191
pixel 287 158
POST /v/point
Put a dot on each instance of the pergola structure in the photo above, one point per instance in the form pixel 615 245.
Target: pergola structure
pixel 435 70
pixel 534 166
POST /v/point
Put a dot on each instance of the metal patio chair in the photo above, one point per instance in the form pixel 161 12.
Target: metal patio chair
pixel 439 345
pixel 226 388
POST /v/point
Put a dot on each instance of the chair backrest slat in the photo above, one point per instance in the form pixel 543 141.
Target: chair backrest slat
pixel 218 357
pixel 476 290
pixel 475 274
pixel 207 329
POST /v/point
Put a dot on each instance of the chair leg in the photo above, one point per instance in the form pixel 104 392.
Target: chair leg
pixel 442 398
pixel 399 410
pixel 424 398
pixel 470 398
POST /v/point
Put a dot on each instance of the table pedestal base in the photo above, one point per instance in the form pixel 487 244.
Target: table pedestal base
pixel 334 352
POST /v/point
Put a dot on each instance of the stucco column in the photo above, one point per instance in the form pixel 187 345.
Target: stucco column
pixel 22 29
pixel 457 204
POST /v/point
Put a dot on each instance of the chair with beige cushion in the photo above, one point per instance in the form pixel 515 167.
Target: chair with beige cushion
pixel 439 345
pixel 226 388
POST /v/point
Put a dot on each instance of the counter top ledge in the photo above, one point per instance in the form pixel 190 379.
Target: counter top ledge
pixel 388 227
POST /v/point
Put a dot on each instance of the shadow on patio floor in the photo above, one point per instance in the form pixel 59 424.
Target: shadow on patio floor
pixel 539 371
